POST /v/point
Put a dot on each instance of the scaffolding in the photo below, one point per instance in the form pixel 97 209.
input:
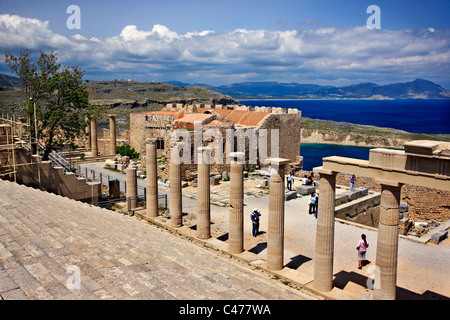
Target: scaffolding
pixel 13 136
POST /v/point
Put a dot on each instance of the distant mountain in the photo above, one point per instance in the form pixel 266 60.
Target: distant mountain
pixel 417 89
pixel 9 81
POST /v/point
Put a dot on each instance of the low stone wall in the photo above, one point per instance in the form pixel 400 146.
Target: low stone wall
pixel 424 203
pixel 54 180
pixel 364 211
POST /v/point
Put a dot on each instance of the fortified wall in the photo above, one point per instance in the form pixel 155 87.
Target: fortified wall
pixel 260 125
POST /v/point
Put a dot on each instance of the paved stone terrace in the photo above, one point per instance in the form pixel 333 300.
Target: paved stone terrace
pixel 119 257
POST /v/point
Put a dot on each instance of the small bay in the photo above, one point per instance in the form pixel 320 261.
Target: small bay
pixel 313 153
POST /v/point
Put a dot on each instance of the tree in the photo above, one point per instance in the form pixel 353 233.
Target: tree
pixel 126 150
pixel 61 101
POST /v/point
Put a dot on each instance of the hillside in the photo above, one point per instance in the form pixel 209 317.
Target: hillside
pixel 123 94
pixel 417 89
pixel 9 82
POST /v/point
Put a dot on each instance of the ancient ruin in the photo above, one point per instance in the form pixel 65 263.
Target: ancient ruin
pixel 236 216
pixel 225 128
pixel 423 163
pixel 275 233
pixel 152 179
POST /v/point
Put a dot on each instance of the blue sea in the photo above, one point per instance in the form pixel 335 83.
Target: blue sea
pixel 417 116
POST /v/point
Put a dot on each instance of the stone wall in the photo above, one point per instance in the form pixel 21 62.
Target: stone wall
pixel 424 203
pixel 161 124
pixel 289 126
pixel 363 211
pixel 144 126
pixel 54 180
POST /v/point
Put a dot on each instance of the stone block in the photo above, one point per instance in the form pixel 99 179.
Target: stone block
pixel 342 198
pixel 358 193
pixel 114 189
pixel 225 175
pixel 439 236
pixel 290 195
pixel 304 190
pixel 214 181
pixel 404 225
pixel 403 207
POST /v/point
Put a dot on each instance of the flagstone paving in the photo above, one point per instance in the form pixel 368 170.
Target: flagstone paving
pixel 57 248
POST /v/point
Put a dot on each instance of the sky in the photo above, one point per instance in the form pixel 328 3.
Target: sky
pixel 219 42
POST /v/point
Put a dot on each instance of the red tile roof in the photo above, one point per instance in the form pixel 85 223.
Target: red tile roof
pixel 239 117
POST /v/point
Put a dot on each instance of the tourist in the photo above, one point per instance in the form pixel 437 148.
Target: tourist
pixel 290 181
pixel 312 203
pixel 305 180
pixel 362 248
pixel 310 181
pixel 255 221
pixel 316 204
pixel 352 183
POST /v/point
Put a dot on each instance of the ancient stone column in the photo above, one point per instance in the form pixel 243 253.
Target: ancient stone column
pixel 88 135
pixel 203 194
pixel 176 199
pixel 152 179
pixel 387 243
pixel 323 259
pixel 94 142
pixel 131 181
pixel 112 134
pixel 236 217
pixel 275 232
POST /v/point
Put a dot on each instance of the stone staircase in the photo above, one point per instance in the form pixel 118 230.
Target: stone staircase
pixel 44 237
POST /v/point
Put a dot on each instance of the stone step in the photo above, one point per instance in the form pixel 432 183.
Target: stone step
pixel 119 257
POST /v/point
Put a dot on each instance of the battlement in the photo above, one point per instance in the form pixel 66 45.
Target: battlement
pixel 192 108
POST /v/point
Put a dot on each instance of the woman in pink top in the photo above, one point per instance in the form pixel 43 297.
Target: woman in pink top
pixel 362 248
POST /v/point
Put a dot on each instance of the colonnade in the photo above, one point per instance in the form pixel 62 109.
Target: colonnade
pixel 388 235
pixel 92 141
pixel 387 241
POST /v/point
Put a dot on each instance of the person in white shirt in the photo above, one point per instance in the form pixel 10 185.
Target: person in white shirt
pixel 305 180
pixel 290 181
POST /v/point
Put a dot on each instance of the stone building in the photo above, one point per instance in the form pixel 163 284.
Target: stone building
pixel 259 132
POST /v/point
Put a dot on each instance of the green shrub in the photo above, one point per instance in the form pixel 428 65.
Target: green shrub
pixel 126 150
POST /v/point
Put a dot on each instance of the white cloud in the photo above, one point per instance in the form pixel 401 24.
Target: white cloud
pixel 292 55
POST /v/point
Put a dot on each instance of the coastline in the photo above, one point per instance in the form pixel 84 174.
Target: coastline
pixel 349 134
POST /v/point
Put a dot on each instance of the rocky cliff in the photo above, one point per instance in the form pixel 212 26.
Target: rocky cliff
pixel 350 139
pixel 343 133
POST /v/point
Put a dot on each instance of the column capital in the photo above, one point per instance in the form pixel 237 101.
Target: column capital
pixel 112 115
pixel 280 162
pixel 150 141
pixel 322 171
pixel 389 183
pixel 237 157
